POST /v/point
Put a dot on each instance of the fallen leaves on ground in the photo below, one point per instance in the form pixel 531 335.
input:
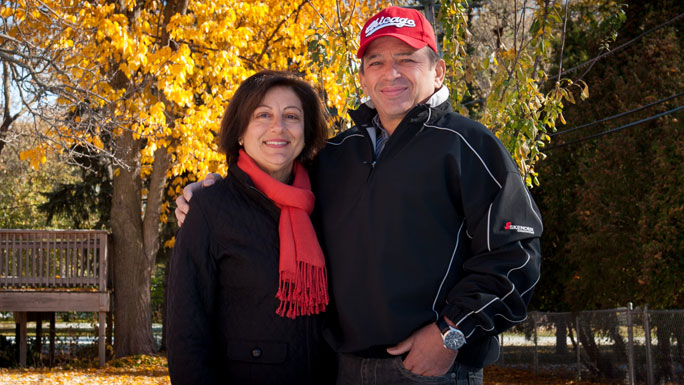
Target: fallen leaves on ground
pixel 496 375
pixel 136 370
pixel 152 370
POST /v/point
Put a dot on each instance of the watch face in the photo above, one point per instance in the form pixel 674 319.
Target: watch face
pixel 453 339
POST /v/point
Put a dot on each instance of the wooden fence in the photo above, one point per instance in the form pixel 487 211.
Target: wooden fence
pixel 54 271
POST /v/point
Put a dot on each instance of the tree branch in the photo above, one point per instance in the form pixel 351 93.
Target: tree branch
pixel 275 31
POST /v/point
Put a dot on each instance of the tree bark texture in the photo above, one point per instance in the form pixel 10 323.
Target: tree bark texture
pixel 135 223
pixel 561 336
pixel 7 117
pixel 666 368
pixel 135 244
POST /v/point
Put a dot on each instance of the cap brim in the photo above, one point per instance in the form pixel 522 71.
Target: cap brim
pixel 413 42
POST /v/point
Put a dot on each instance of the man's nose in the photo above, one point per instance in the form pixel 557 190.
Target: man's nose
pixel 392 71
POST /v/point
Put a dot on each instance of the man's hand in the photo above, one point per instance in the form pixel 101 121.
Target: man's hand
pixel 427 355
pixel 182 205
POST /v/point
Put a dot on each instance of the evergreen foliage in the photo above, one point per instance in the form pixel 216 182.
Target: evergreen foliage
pixel 613 206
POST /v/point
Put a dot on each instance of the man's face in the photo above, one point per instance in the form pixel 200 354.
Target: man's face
pixel 397 77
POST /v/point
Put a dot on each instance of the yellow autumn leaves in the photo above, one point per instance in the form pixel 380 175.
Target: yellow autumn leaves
pixel 135 370
pixel 80 377
pixel 168 78
pixel 168 75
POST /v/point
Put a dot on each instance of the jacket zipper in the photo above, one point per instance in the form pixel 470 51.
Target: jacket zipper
pixel 376 158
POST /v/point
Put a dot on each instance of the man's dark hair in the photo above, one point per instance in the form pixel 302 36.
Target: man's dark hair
pixel 249 95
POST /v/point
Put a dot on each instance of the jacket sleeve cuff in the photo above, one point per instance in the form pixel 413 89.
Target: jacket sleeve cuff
pixel 464 321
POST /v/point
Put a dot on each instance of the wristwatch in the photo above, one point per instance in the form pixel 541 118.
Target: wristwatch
pixel 453 338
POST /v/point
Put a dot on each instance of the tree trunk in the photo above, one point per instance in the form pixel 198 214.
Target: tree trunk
pixel 7 117
pixel 164 305
pixel 136 235
pixel 679 335
pixel 135 244
pixel 597 363
pixel 561 336
pixel 585 335
pixel 664 358
pixel 132 313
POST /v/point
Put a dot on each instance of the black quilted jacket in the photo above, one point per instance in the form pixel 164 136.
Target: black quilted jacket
pixel 222 325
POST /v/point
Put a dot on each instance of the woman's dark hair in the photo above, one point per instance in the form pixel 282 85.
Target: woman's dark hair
pixel 247 98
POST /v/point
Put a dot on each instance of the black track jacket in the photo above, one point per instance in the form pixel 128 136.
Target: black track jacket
pixel 441 224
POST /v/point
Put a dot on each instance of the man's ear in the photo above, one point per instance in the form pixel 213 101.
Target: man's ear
pixel 362 80
pixel 440 73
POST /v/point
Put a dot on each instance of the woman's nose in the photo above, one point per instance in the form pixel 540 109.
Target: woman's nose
pixel 277 124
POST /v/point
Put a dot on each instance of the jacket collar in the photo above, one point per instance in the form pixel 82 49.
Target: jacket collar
pixel 438 102
pixel 439 97
pixel 244 183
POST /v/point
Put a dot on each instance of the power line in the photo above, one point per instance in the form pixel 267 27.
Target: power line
pixel 601 56
pixel 617 129
pixel 616 116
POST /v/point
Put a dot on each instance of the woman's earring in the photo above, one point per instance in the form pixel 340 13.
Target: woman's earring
pixel 240 142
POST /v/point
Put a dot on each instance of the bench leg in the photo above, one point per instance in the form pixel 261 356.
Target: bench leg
pixel 39 337
pixel 20 319
pixel 101 338
pixel 52 339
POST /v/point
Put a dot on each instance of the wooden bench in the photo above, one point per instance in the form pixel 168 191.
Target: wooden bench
pixel 54 271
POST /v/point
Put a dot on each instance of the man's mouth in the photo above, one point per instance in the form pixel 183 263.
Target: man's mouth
pixel 393 91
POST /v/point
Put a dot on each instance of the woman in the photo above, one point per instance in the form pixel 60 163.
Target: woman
pixel 247 279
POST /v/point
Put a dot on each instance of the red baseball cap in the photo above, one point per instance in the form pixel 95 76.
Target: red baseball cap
pixel 407 25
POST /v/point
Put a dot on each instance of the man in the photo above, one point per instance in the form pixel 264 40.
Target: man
pixel 431 236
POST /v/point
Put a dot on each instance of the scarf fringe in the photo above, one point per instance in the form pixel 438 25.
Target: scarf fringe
pixel 302 283
pixel 307 294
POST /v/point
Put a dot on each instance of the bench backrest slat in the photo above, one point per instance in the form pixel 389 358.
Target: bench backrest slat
pixel 53 259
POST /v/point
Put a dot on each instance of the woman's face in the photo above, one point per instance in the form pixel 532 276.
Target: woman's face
pixel 274 137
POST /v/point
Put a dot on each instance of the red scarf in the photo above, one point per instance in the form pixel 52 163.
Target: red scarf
pixel 302 287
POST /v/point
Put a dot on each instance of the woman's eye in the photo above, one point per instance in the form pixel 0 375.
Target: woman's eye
pixel 292 116
pixel 261 115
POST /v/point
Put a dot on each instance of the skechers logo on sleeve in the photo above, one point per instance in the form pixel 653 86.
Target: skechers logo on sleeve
pixel 383 22
pixel 519 228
